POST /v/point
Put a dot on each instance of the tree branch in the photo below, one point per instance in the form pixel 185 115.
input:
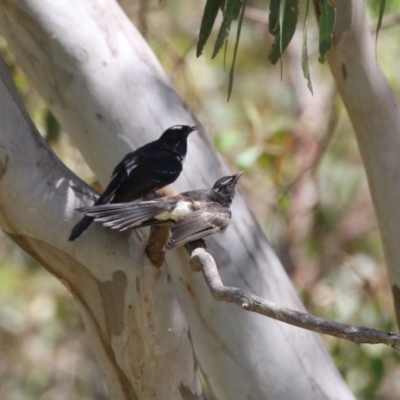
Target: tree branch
pixel 375 118
pixel 200 260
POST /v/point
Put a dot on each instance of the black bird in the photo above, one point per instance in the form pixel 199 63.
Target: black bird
pixel 194 214
pixel 149 168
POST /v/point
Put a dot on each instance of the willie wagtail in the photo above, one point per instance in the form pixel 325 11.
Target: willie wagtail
pixel 149 168
pixel 193 215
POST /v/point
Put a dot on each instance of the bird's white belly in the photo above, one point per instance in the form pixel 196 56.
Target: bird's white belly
pixel 182 209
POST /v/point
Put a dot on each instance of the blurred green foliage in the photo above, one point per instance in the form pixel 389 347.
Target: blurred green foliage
pixel 304 180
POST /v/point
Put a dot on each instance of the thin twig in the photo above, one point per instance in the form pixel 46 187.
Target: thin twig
pixel 200 260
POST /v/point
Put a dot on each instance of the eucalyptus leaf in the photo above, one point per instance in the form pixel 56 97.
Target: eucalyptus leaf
pixel 281 16
pixel 210 14
pixel 232 11
pixel 225 53
pixel 304 55
pixel 382 6
pixel 326 26
pixel 273 19
pixel 287 27
pixel 236 8
pixel 231 72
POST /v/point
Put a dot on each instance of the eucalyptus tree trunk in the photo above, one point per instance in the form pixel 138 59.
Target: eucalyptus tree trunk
pixel 375 117
pixel 129 306
pixel 110 94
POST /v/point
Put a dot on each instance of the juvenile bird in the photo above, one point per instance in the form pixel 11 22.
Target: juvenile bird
pixel 149 168
pixel 193 215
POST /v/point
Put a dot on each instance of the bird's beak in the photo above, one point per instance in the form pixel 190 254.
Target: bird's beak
pixel 237 176
pixel 192 128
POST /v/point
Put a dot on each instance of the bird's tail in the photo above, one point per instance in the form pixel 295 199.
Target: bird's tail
pixel 85 222
pixel 80 227
pixel 125 215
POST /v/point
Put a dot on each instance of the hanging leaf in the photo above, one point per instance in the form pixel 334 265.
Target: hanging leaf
pixel 382 6
pixel 236 8
pixel 235 51
pixel 222 35
pixel 210 14
pixel 281 17
pixel 289 15
pixel 223 6
pixel 273 19
pixel 232 12
pixel 225 53
pixel 326 25
pixel 304 55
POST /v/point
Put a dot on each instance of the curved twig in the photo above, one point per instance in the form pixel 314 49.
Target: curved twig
pixel 200 260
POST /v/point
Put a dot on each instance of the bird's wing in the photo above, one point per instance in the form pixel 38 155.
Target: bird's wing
pixel 128 163
pixel 152 173
pixel 129 178
pixel 134 187
pixel 197 225
pixel 127 215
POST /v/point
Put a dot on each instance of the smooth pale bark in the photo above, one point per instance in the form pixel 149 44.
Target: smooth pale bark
pixel 375 117
pixel 110 94
pixel 129 307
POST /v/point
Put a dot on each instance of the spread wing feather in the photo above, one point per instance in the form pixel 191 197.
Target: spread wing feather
pixel 139 173
pixel 125 216
pixel 198 225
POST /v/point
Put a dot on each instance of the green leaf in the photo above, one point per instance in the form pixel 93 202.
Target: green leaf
pixel 235 50
pixel 223 6
pixel 281 16
pixel 326 26
pixel 287 21
pixel 53 128
pixel 304 55
pixel 382 6
pixel 207 23
pixel 232 12
pixel 236 7
pixel 225 53
pixel 273 19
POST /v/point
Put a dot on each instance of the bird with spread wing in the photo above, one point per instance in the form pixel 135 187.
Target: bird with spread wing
pixel 193 215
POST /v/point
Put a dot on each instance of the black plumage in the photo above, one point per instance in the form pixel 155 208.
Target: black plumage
pixel 149 168
pixel 193 214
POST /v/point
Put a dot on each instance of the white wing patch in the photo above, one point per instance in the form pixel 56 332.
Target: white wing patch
pixel 130 166
pixel 182 209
